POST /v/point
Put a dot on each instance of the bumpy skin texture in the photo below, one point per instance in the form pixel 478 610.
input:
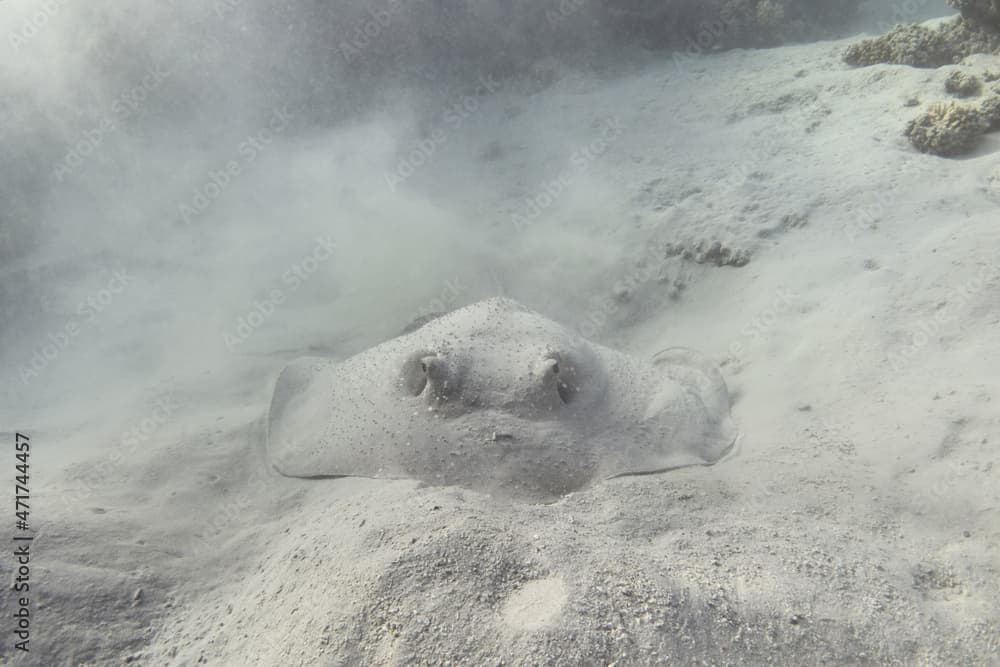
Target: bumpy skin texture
pixel 496 398
pixel 947 129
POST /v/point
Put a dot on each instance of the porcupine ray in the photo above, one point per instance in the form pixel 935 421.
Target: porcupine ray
pixel 495 397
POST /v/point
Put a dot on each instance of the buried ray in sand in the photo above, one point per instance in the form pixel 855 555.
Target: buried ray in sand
pixel 495 397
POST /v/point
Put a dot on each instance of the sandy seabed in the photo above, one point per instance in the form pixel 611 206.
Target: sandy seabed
pixel 770 213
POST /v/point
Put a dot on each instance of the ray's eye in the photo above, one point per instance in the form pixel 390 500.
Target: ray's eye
pixel 559 373
pixel 431 374
pixel 415 373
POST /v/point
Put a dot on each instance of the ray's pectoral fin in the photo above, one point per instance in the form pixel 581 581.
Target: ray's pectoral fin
pixel 685 420
pixel 696 372
pixel 692 383
pixel 297 417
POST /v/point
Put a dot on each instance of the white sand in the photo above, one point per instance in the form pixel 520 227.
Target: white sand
pixel 858 523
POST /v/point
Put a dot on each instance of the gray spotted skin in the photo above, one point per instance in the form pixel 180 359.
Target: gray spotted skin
pixel 496 398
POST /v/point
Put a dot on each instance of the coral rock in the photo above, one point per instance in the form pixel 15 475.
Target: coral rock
pixel 947 129
pixel 922 46
pixel 981 12
pixel 963 84
pixel 990 110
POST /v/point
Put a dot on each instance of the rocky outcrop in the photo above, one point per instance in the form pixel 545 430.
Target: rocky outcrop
pixel 985 13
pixel 947 129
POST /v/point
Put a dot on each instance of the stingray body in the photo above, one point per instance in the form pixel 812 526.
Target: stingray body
pixel 494 397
